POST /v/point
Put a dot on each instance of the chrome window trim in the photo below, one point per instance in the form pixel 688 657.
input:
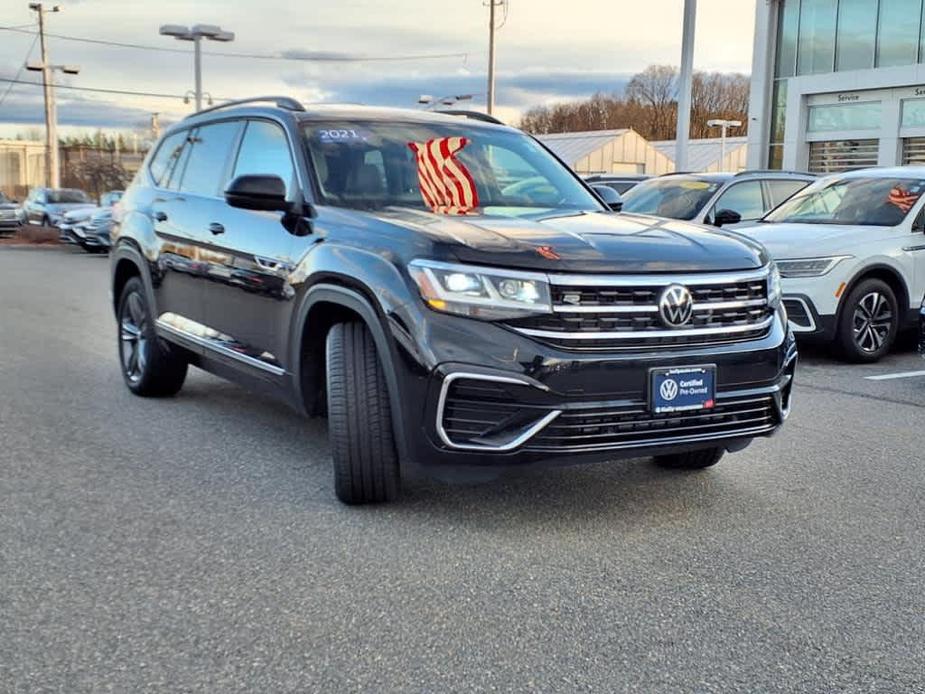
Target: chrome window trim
pixel 654 280
pixel 639 334
pixel 525 436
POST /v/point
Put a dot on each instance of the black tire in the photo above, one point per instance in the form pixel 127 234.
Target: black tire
pixel 150 367
pixel 359 418
pixel 692 460
pixel 869 322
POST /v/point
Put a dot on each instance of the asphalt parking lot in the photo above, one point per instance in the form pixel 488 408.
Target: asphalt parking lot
pixel 195 544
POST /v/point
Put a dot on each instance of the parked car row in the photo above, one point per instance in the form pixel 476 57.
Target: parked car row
pixel 78 219
pixel 11 214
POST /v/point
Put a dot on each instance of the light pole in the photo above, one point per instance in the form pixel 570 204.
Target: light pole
pixel 724 125
pixel 492 5
pixel 195 34
pixel 685 85
pixel 52 172
pixel 449 100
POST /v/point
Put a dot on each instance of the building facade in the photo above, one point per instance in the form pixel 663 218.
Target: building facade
pixel 22 166
pixel 608 151
pixel 837 84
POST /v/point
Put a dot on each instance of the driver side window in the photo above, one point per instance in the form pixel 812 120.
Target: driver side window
pixel 745 198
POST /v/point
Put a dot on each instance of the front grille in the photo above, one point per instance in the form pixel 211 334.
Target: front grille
pixel 635 426
pixel 598 315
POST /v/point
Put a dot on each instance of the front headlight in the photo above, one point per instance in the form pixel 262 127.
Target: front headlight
pixel 809 267
pixel 481 292
pixel 774 288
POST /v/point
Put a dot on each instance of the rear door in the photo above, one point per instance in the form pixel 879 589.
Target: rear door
pixel 189 178
pixel 248 301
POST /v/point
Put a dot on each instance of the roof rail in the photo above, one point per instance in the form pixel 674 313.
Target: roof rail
pixel 285 102
pixel 745 172
pixel 474 115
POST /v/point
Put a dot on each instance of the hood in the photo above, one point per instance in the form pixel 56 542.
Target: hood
pixel 9 206
pixel 809 240
pixel 583 242
pixel 78 214
pixel 62 207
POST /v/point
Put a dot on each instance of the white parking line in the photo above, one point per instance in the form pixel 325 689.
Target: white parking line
pixel 888 377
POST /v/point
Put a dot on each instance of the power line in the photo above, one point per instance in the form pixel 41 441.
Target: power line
pixel 320 58
pixel 100 90
pixel 19 72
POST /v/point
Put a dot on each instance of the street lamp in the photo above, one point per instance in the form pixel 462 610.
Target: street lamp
pixel 724 125
pixel 449 100
pixel 195 34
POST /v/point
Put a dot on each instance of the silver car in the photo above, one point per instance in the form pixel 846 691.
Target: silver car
pixel 47 206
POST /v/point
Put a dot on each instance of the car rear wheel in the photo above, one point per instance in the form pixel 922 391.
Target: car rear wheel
pixel 869 322
pixel 150 367
pixel 692 460
pixel 359 418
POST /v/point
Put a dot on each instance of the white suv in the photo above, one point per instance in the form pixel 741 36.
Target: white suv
pixel 851 253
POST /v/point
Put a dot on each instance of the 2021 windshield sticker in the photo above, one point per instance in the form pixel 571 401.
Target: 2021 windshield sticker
pixel 447 186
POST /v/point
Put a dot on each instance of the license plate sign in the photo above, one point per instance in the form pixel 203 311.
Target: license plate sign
pixel 682 389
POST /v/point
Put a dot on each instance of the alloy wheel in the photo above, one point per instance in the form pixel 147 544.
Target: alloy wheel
pixel 133 345
pixel 872 323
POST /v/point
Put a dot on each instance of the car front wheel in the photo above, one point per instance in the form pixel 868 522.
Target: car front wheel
pixel 869 322
pixel 359 418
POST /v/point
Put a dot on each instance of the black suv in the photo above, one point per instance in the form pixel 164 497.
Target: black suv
pixel 444 290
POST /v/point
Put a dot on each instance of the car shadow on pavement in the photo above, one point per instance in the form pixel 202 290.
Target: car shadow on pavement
pixel 300 468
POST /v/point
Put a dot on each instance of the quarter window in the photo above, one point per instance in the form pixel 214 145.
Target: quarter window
pixel 265 150
pixel 206 169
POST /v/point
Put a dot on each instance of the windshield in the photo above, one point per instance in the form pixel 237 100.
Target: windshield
pixel 111 198
pixel 859 201
pixel 674 197
pixel 66 195
pixel 445 168
pixel 3 198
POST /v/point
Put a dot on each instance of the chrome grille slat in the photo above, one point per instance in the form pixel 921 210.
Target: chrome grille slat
pixel 614 312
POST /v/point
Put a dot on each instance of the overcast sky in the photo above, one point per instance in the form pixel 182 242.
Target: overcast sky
pixel 548 50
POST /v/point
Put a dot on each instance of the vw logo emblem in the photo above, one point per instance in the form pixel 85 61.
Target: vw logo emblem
pixel 675 306
pixel 669 389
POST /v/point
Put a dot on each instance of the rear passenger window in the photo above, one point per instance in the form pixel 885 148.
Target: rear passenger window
pixel 166 157
pixel 207 168
pixel 781 190
pixel 265 150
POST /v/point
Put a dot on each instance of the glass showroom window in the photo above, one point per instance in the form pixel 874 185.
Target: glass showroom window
pixel 817 37
pixel 856 35
pixel 838 117
pixel 898 32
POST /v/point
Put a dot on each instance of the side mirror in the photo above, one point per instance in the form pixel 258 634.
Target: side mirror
pixel 258 192
pixel 727 217
pixel 609 197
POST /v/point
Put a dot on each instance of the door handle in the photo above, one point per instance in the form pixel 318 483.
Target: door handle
pixel 216 228
pixel 160 216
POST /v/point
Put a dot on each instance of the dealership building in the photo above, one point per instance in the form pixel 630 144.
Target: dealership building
pixel 837 84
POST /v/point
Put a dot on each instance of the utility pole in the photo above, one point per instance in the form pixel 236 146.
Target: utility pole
pixel 155 127
pixel 685 85
pixel 492 4
pixel 52 172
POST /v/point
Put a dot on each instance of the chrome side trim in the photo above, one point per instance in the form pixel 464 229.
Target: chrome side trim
pixel 655 280
pixel 647 308
pixel 809 314
pixel 642 334
pixel 522 438
pixel 224 351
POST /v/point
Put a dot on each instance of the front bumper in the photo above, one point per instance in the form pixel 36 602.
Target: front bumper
pixel 500 399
